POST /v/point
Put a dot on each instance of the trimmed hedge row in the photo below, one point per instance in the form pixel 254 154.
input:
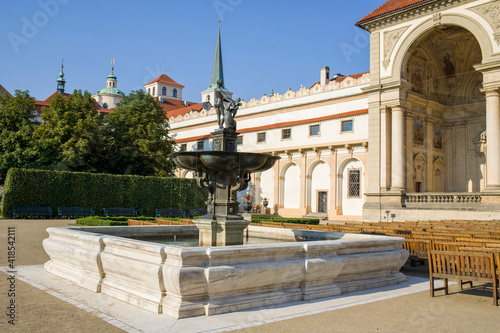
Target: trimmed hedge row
pixel 110 221
pixel 28 187
pixel 257 219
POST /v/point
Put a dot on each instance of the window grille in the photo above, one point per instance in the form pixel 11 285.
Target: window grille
pixel 353 184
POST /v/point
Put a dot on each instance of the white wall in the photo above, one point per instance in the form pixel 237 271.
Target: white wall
pixel 352 206
pixel 291 189
pixel 320 180
pixel 267 187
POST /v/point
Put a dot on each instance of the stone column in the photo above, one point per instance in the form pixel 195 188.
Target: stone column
pixel 385 148
pixel 333 182
pixel 397 151
pixel 492 139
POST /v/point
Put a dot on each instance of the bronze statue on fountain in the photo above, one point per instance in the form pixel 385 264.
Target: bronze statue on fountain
pixel 223 172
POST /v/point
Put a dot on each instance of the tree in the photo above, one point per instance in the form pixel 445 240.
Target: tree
pixel 70 136
pixel 138 138
pixel 17 123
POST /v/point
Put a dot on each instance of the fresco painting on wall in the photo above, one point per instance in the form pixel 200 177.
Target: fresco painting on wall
pixel 438 138
pixel 418 132
pixel 417 80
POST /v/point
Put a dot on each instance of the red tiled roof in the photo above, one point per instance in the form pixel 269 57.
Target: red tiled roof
pixel 342 78
pixel 46 103
pixel 169 105
pixel 165 79
pixel 53 94
pixel 184 110
pixel 389 7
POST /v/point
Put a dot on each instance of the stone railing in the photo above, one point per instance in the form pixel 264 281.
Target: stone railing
pixel 443 198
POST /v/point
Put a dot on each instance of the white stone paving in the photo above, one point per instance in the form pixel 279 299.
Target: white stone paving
pixel 134 319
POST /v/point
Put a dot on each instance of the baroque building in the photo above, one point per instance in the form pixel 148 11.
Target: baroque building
pixel 434 110
pixel 418 137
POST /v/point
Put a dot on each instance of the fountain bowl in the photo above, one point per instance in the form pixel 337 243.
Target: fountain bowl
pixel 223 161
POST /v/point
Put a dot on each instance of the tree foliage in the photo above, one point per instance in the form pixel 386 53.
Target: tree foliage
pixel 70 136
pixel 138 138
pixel 73 136
pixel 17 123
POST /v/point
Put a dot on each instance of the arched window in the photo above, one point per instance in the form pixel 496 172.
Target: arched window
pixel 163 91
pixel 149 91
pixel 114 84
pixel 175 93
pixel 105 105
pixel 153 91
pixel 208 98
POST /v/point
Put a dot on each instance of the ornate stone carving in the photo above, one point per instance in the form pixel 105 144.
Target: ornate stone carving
pixel 390 40
pixel 437 18
pixel 491 13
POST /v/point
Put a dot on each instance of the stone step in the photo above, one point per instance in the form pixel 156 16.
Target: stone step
pixel 321 216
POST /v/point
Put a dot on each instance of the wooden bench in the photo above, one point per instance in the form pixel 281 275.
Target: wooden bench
pixel 418 249
pixel 463 266
pixel 74 211
pixel 120 211
pixel 31 211
pixel 135 222
pixel 169 212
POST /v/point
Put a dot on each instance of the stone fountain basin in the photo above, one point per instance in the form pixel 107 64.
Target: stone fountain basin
pixel 223 161
pixel 185 282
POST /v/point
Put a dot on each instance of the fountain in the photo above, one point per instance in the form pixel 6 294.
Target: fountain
pixel 223 172
pixel 221 275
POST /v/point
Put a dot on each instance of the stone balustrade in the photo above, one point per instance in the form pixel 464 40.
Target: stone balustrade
pixel 443 198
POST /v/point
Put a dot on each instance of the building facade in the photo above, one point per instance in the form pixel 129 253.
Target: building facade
pixel 434 110
pixel 418 137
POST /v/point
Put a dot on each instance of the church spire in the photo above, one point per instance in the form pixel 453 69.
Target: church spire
pixel 61 82
pixel 217 71
pixel 208 95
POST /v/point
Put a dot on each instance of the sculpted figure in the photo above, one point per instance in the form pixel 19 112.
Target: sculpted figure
pixel 230 112
pixel 225 114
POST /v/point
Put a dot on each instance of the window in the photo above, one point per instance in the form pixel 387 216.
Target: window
pixel 353 184
pixel 261 137
pixel 105 105
pixel 314 130
pixel 208 98
pixel 200 145
pixel 346 126
pixel 149 91
pixel 153 91
pixel 163 91
pixel 175 93
pixel 239 140
pixel 183 147
pixel 286 134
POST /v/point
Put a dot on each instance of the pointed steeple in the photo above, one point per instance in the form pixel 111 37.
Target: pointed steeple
pixel 217 72
pixel 61 82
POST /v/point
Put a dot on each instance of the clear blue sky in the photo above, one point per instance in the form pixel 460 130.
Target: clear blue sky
pixel 264 43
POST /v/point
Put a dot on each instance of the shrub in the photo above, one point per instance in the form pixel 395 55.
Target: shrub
pixel 27 187
pixel 110 221
pixel 257 219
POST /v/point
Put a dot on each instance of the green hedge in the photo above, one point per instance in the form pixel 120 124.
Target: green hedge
pixel 110 221
pixel 28 187
pixel 257 219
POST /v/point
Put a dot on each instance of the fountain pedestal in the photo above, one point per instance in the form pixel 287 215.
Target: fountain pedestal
pixel 221 232
pixel 223 172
